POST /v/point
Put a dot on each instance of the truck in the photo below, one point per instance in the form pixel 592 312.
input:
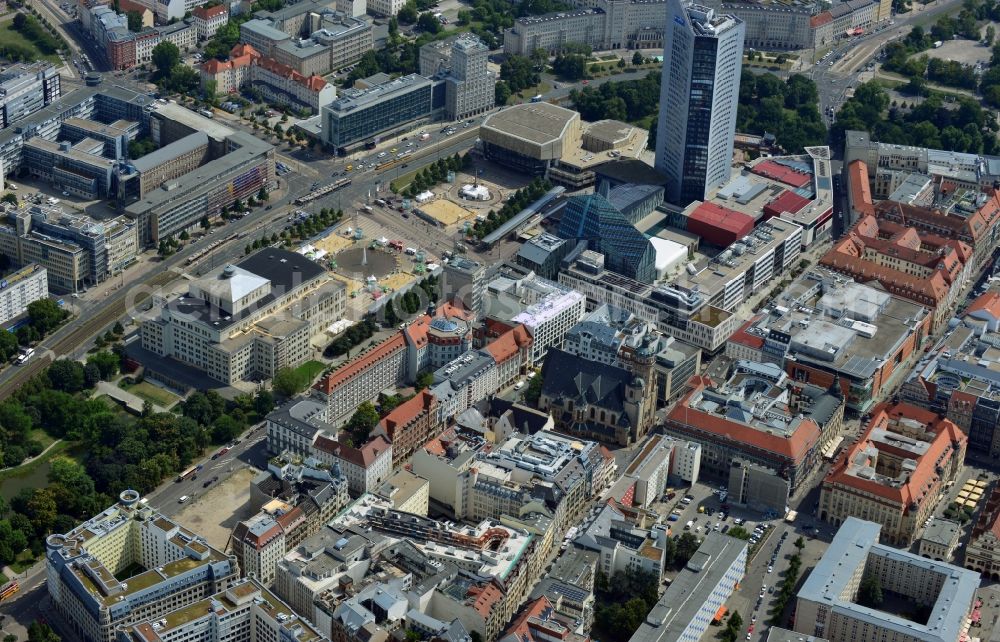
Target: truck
pixel 24 355
pixel 537 98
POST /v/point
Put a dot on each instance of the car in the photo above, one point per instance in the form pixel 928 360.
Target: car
pixel 586 82
pixel 207 483
pixel 381 154
pixel 268 208
pixel 770 589
pixel 183 498
pixel 770 569
pixel 749 635
pixel 753 618
pixel 519 385
pixel 65 193
pixel 393 150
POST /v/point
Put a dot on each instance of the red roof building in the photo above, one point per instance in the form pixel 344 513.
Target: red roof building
pixel 917 266
pixel 895 473
pixel 410 425
pixel 537 622
pixel 859 190
pixel 782 173
pixel 718 225
pixel 792 450
pixel 747 342
pixel 787 201
pixel 511 350
pixel 986 308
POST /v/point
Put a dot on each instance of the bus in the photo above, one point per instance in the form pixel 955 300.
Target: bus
pixel 188 472
pixel 9 589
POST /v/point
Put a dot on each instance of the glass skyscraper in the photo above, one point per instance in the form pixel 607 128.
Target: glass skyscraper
pixel 699 91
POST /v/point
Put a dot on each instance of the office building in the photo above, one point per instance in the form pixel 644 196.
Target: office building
pixel 19 288
pixel 244 612
pixel 247 320
pixel 757 487
pixel 464 280
pixel 770 421
pixel 896 473
pixel 700 89
pixel 26 88
pixel 828 605
pixel 358 115
pixel 299 429
pixel 960 378
pixel 169 162
pixel 407 493
pixel 594 219
pixel 176 568
pixel 181 203
pixel 684 612
pixel 80 168
pixel 825 327
pixel 410 425
pixel 75 250
pixel 543 254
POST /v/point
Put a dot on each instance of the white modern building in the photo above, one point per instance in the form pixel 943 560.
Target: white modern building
pixel 699 92
pixel 17 290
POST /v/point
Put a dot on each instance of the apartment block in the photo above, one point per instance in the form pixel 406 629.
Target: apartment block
pixel 208 21
pixel 248 319
pixel 827 604
pixel 18 289
pixel 896 473
pixel 177 569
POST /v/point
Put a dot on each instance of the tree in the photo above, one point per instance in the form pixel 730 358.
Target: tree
pixel 42 632
pixel 424 380
pixel 288 382
pixel 262 194
pixel 166 56
pixel 687 544
pixel 393 28
pixel 45 315
pixel 738 532
pixel 870 591
pixel 362 422
pixel 637 58
pixel 501 93
pixel 408 14
pixel 991 34
pixel 533 392
pixel 427 22
pixel 118 328
pixel 107 364
pixel 263 402
pixel 800 543
pixel 9 198
pixel 134 21
pixel 621 63
pixel 205 223
pixel 66 375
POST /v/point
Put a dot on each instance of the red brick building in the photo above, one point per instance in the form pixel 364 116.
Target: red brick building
pixel 410 425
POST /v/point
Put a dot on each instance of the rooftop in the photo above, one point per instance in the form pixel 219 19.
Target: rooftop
pixel 831 582
pixel 536 123
pixel 691 588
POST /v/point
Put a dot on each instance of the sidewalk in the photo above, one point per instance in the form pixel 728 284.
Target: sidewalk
pixel 131 401
pixel 28 461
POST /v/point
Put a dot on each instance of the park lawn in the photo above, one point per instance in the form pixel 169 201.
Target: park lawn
pixel 312 369
pixel 4 579
pixel 10 36
pixel 26 469
pixel 42 437
pixel 529 93
pixel 400 184
pixel 23 561
pixel 153 394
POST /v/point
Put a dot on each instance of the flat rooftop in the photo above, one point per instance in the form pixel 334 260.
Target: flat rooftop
pixel 193 120
pixel 692 587
pixel 536 123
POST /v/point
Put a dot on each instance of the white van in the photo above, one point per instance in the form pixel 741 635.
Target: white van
pixel 519 385
pixel 183 499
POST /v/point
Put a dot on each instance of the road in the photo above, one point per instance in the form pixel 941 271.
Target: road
pixel 833 80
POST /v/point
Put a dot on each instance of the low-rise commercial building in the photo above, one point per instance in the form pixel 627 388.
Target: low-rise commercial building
pixel 940 539
pixel 895 474
pixel 825 327
pixel 828 603
pixel 178 569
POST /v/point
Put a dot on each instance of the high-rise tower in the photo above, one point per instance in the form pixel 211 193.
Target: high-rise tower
pixel 699 92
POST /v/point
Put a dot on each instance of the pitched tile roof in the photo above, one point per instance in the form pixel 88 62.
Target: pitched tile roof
pixel 362 457
pixel 794 447
pixel 510 343
pixel 209 12
pixel 861 189
pixel 920 482
pixel 988 303
pixel 422 403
